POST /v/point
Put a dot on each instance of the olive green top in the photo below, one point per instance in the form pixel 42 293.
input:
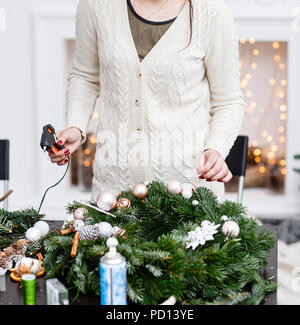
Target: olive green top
pixel 145 33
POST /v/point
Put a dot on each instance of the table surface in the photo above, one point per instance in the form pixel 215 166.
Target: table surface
pixel 14 296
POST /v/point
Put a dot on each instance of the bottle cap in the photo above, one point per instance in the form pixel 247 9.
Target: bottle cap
pixel 112 256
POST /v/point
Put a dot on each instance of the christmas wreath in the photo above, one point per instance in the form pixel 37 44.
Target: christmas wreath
pixel 177 241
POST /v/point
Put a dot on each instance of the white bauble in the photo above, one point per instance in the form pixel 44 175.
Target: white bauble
pixel 80 213
pixel 224 218
pixel 106 200
pixel 231 229
pixel 105 229
pixel 33 234
pixel 195 202
pixel 42 226
pixel 187 194
pixel 174 187
pixel 187 187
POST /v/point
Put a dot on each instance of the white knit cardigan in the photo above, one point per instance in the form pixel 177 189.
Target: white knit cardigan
pixel 159 115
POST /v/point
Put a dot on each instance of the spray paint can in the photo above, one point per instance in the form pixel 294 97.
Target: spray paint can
pixel 113 276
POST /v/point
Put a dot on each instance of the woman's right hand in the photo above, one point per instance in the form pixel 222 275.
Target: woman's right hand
pixel 71 139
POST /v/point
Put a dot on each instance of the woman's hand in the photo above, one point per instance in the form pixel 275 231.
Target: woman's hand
pixel 71 139
pixel 213 167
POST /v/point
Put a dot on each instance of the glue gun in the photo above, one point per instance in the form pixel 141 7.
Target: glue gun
pixel 49 139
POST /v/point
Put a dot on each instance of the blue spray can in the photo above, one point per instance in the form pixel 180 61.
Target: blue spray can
pixel 113 276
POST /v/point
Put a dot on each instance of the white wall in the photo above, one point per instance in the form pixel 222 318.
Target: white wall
pixel 19 119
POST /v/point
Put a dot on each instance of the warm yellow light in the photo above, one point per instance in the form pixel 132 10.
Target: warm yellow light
pixel 254 65
pixel 87 152
pixel 257 159
pixel 240 65
pixel 264 134
pixel 248 76
pixel 275 105
pixel 283 108
pixel 283 171
pixel 249 110
pixel 243 40
pixel 86 163
pixel 272 82
pixel 281 66
pixel 262 169
pixel 252 40
pixel 283 117
pixel 95 115
pixel 271 154
pixel 249 93
pixel 255 52
pixel 253 104
pixel 276 45
pixel 244 83
pixel 274 147
pixel 93 140
pixel 281 94
pixel 254 143
pixel 283 82
pixel 269 138
pixel 281 129
pixel 277 57
pixel 257 152
pixel 282 162
pixel 282 139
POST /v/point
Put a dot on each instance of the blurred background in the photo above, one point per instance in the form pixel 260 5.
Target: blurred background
pixel 36 48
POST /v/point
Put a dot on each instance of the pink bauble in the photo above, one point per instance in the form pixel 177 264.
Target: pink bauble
pixel 174 187
pixel 140 191
pixel 106 200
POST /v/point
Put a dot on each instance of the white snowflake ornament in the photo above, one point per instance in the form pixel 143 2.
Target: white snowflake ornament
pixel 202 234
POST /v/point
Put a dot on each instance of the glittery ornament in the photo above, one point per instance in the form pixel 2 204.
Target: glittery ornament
pixel 174 187
pixel 5 261
pixel 202 234
pixel 140 191
pixel 106 200
pixel 123 202
pixel 105 229
pixel 79 214
pixel 43 227
pixel 33 234
pixel 231 229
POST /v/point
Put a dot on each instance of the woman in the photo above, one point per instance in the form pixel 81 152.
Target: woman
pixel 165 73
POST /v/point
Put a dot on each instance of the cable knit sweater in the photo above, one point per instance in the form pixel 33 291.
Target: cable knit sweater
pixel 159 115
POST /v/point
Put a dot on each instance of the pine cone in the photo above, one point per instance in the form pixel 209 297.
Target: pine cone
pixel 89 232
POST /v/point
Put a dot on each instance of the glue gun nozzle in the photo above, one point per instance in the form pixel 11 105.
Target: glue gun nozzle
pixel 45 148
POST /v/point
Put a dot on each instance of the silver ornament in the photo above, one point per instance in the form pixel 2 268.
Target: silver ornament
pixel 80 213
pixel 105 229
pixel 195 202
pixel 187 194
pixel 224 218
pixel 231 229
pixel 174 187
pixel 140 191
pixel 106 200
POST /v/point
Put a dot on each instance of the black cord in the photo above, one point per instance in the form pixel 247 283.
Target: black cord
pixel 68 165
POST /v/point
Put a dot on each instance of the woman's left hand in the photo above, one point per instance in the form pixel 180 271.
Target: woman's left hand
pixel 213 167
